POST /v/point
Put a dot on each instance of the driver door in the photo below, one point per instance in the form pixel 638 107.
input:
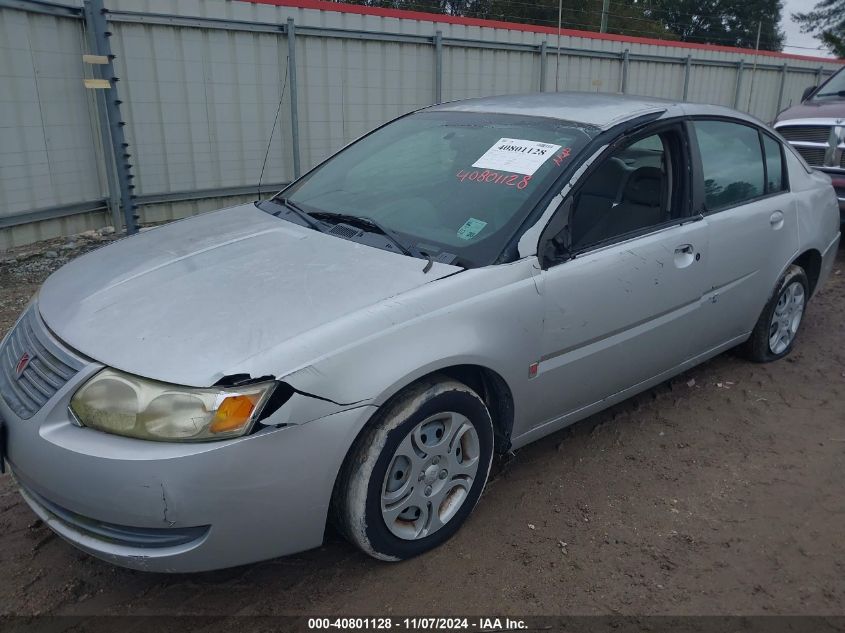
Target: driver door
pixel 617 312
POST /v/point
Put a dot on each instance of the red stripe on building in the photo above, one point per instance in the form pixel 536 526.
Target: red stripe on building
pixel 323 5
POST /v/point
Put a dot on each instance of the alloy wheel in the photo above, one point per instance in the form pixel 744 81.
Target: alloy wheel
pixel 786 317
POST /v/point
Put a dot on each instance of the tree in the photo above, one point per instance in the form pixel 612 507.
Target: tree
pixel 625 18
pixel 725 22
pixel 827 22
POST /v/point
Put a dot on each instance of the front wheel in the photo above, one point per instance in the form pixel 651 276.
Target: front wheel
pixel 414 476
pixel 776 329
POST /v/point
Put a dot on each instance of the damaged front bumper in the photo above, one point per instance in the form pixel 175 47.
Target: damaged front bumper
pixel 179 507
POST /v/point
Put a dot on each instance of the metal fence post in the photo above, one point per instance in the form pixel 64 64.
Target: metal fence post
pixel 687 70
pixel 625 63
pixel 782 86
pixel 543 62
pixel 100 107
pixel 738 86
pixel 438 67
pixel 294 98
pixel 95 21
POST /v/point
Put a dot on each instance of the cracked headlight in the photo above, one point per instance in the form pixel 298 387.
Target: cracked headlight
pixel 128 405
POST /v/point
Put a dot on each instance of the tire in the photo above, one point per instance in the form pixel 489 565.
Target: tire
pixel 761 347
pixel 398 463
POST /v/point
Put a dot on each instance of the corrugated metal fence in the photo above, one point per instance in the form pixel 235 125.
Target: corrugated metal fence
pixel 200 82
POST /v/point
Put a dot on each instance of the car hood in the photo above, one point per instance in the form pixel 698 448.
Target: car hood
pixel 192 301
pixel 827 109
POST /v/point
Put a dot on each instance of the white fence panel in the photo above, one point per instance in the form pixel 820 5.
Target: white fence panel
pixel 48 133
pixel 200 104
pixel 201 83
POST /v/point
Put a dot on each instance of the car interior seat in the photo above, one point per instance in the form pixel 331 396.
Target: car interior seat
pixel 641 204
pixel 602 191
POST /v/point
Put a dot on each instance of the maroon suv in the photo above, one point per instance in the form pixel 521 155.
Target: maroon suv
pixel 816 128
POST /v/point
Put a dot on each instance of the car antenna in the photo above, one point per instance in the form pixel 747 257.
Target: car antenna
pixel 272 131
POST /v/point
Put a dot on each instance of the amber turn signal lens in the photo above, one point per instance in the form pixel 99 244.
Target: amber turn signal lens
pixel 233 413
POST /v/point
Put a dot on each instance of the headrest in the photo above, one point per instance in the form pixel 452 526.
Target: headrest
pixel 607 180
pixel 644 187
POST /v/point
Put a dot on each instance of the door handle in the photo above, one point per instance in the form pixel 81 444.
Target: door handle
pixel 776 219
pixel 684 255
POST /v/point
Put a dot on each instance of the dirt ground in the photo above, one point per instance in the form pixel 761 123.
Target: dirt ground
pixel 720 492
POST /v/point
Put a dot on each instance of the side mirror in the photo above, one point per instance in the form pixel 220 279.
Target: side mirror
pixel 808 92
pixel 555 241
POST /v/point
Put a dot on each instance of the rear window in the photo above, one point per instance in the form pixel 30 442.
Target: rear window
pixel 775 180
pixel 732 162
pixel 449 182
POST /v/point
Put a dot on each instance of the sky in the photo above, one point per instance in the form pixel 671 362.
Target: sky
pixel 797 42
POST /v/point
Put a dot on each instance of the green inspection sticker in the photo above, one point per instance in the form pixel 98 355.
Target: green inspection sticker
pixel 471 228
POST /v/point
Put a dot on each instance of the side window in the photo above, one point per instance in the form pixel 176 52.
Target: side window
pixel 732 161
pixel 628 191
pixel 774 165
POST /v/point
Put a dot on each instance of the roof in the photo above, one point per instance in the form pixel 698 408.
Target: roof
pixel 601 110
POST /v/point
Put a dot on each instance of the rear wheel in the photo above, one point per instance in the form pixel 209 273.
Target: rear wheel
pixel 414 476
pixel 774 335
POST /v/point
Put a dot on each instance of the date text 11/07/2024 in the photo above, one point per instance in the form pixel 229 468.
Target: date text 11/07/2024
pixel 417 624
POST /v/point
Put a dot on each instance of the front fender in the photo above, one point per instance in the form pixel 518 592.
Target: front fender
pixel 490 317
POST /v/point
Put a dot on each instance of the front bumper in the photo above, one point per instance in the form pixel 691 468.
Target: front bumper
pixel 171 507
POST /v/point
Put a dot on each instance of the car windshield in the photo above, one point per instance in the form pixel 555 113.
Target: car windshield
pixel 835 87
pixel 455 186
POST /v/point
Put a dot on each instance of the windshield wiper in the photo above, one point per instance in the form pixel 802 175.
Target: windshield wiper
pixel 371 225
pixel 837 93
pixel 299 211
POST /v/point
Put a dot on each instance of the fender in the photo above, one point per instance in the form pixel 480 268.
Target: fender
pixel 472 308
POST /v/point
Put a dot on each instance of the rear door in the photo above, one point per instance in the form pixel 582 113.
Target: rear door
pixel 752 225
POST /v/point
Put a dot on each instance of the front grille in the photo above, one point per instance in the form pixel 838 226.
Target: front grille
pixel 813 155
pixel 805 133
pixel 48 369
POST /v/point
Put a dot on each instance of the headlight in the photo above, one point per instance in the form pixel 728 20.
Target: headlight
pixel 123 404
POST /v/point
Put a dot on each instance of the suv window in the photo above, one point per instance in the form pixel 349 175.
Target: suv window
pixel 732 162
pixel 774 165
pixel 832 88
pixel 629 191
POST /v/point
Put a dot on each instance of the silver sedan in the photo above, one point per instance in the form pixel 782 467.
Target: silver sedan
pixel 458 283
